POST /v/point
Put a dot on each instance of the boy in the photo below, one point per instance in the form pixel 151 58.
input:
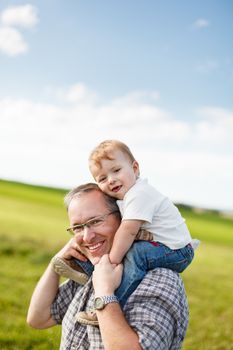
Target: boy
pixel 116 172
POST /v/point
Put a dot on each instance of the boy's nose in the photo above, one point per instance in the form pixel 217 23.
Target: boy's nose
pixel 111 180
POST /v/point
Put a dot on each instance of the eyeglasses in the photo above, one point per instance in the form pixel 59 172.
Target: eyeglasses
pixel 96 222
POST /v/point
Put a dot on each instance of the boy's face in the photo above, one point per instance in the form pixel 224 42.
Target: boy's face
pixel 116 176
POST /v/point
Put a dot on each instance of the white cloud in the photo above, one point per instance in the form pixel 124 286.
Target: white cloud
pixel 11 42
pixel 77 94
pixel 138 97
pixel 215 129
pixel 49 144
pixel 25 16
pixel 201 23
pixel 215 113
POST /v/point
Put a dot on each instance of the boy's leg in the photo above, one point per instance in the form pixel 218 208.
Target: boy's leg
pixel 144 256
pixel 177 259
pixel 87 266
pixel 73 269
pixel 135 269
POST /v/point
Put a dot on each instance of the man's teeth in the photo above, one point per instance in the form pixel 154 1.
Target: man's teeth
pixel 95 246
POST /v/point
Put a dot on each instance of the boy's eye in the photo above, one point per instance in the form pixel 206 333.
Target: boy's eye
pixel 102 179
pixel 116 170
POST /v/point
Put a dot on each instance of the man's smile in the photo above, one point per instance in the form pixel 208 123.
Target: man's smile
pixel 95 246
pixel 96 249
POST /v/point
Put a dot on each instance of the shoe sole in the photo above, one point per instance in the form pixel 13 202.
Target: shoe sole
pixel 62 269
pixel 86 322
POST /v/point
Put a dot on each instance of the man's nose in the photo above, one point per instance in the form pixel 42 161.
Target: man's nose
pixel 88 234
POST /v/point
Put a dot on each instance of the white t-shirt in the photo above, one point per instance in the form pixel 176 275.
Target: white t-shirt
pixel 161 216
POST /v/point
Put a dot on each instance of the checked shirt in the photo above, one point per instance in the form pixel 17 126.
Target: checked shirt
pixel 157 311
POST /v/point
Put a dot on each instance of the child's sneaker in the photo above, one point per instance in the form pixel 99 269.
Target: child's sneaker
pixel 87 317
pixel 69 269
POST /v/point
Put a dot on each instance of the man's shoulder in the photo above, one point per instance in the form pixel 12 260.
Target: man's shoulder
pixel 162 274
pixel 160 292
pixel 163 283
pixel 158 310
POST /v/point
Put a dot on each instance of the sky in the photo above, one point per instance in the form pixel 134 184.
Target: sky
pixel 155 74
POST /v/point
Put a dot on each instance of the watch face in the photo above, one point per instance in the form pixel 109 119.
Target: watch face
pixel 99 303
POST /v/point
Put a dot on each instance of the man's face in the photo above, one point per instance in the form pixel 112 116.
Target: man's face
pixel 93 242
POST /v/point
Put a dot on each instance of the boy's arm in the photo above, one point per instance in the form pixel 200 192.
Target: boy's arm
pixel 123 239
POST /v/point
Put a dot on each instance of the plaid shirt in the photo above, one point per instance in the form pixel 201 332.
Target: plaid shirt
pixel 157 311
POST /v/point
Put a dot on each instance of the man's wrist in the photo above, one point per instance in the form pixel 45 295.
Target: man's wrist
pixel 101 301
pixel 103 291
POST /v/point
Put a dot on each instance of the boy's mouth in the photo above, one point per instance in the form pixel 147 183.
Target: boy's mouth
pixel 116 189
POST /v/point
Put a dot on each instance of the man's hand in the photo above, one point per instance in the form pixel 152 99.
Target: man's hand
pixel 71 250
pixel 106 276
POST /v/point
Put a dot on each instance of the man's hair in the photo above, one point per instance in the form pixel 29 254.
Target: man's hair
pixel 104 151
pixel 87 188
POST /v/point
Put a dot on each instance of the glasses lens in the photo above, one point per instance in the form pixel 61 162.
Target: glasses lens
pixel 96 222
pixel 76 229
pixel 91 223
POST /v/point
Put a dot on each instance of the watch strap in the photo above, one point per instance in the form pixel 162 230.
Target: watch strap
pixel 102 301
pixel 110 299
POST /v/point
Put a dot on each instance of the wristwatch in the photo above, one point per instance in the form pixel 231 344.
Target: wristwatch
pixel 101 302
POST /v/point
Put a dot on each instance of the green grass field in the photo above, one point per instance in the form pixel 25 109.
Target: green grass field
pixel 32 228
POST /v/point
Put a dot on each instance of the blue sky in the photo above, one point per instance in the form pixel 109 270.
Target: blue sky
pixel 155 74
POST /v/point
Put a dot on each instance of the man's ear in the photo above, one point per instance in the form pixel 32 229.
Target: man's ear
pixel 136 168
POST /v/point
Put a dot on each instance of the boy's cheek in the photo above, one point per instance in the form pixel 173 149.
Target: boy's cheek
pixel 103 188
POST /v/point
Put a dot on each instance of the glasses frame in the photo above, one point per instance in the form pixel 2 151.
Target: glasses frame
pixel 89 223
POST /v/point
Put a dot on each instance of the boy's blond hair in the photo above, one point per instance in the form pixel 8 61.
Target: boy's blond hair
pixel 104 151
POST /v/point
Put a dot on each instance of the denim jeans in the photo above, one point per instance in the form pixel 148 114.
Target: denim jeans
pixel 142 257
pixel 87 266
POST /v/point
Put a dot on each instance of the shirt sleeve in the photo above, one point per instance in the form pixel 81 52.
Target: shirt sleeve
pixel 139 205
pixel 63 299
pixel 158 310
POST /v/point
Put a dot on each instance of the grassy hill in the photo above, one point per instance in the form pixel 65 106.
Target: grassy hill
pixel 32 228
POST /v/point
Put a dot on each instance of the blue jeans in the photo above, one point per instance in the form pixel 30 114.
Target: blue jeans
pixel 142 257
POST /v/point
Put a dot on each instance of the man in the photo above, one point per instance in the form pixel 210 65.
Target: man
pixel 155 315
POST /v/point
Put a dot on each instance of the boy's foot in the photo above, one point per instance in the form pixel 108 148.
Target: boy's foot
pixel 87 317
pixel 69 269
